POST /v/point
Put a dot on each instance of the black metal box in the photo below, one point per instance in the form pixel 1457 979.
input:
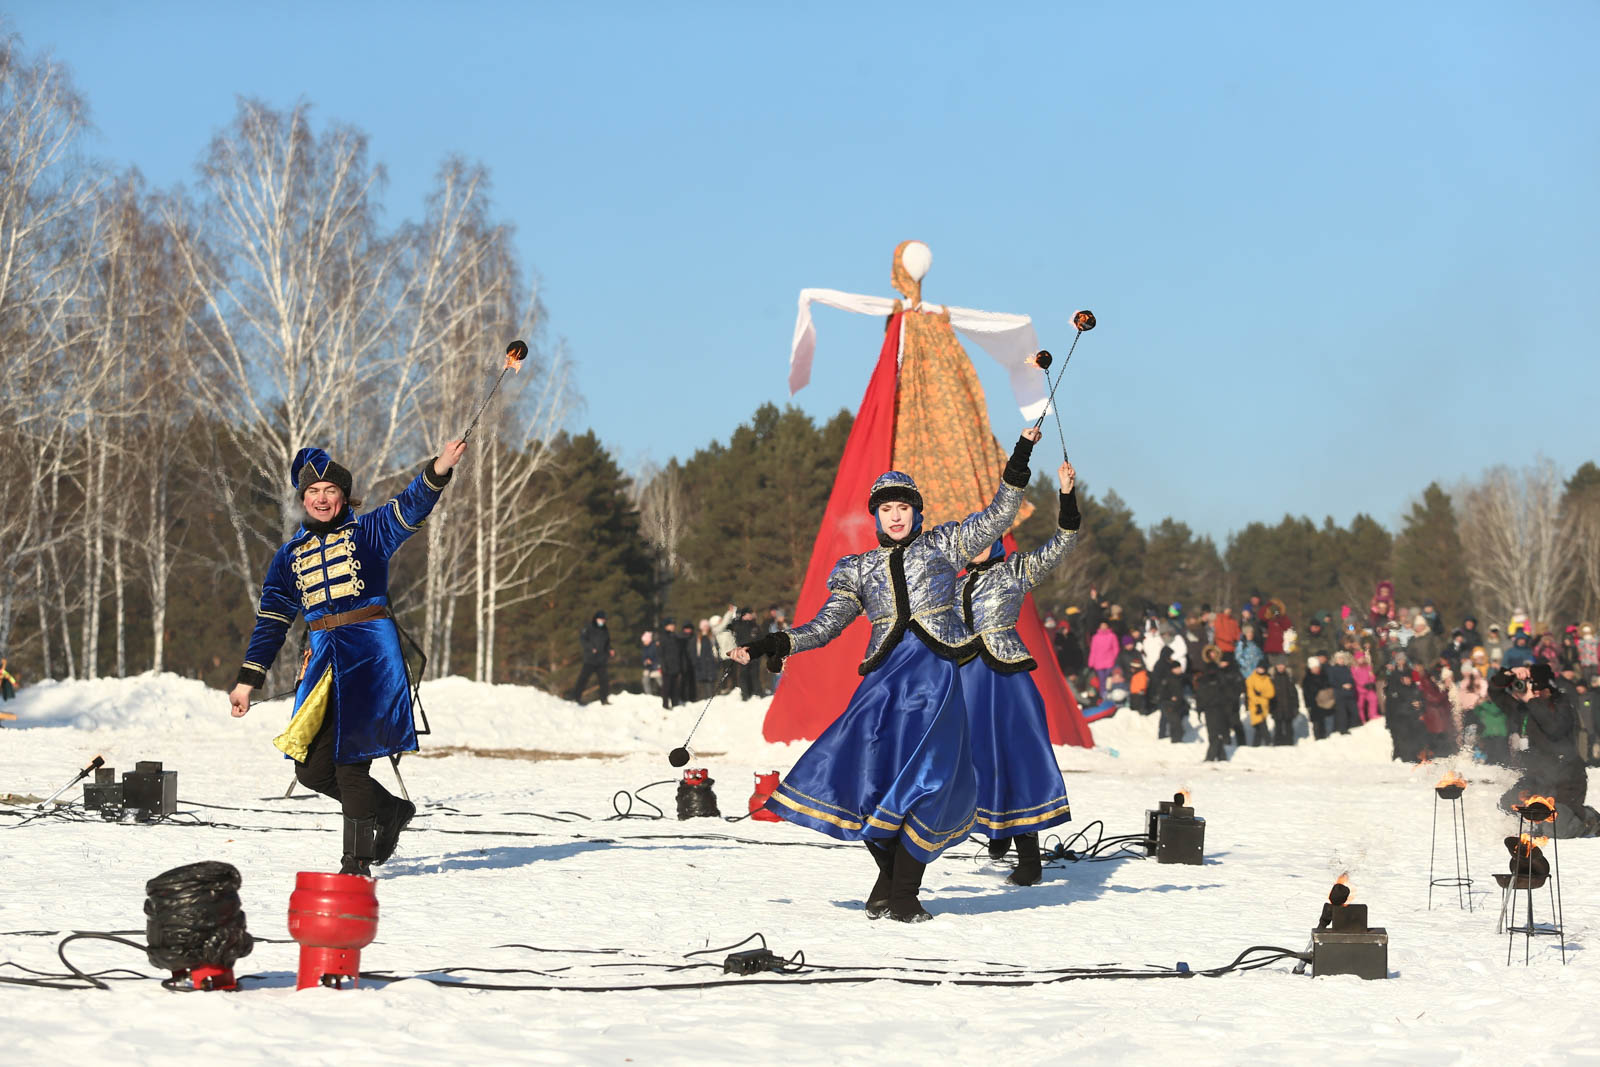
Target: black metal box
pixel 99 795
pixel 1363 953
pixel 150 790
pixel 1180 840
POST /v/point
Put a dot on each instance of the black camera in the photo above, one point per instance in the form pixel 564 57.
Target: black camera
pixel 1520 686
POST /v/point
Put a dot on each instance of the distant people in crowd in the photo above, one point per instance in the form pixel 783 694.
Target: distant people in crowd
pixel 672 664
pixel 1215 696
pixel 1285 705
pixel 745 631
pixel 1103 650
pixel 650 657
pixel 1320 699
pixel 594 646
pixel 707 659
pixel 1259 691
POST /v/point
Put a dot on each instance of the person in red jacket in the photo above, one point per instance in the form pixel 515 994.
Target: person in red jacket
pixel 1277 621
pixel 1225 630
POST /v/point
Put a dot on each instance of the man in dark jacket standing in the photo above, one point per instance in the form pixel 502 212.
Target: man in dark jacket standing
pixel 594 642
pixel 671 664
pixel 745 631
pixel 1217 702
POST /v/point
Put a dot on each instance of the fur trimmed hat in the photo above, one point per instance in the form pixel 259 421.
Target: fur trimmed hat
pixel 313 465
pixel 893 485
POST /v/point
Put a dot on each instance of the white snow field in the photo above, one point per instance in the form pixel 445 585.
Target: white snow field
pixel 482 868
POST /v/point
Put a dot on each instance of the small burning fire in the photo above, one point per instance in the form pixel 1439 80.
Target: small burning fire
pixel 1533 804
pixel 1451 778
pixel 1341 893
pixel 1182 796
pixel 1529 841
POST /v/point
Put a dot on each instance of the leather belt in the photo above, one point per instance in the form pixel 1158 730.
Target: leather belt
pixel 345 618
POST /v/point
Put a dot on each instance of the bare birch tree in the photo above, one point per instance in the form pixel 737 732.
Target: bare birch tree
pixel 301 290
pixel 1519 556
pixel 44 193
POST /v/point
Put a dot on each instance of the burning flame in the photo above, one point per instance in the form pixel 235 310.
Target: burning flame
pixel 1528 800
pixel 1536 842
pixel 1334 896
pixel 1451 778
pixel 1185 794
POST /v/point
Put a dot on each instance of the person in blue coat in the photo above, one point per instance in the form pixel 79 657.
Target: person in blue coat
pixel 353 701
pixel 1020 789
pixel 894 770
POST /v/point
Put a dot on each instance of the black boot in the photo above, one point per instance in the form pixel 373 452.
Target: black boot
pixel 878 899
pixel 904 883
pixel 998 847
pixel 1029 869
pixel 390 823
pixel 360 846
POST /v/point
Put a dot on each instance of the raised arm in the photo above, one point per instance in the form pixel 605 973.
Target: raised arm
pixel 402 516
pixel 960 541
pixel 1030 568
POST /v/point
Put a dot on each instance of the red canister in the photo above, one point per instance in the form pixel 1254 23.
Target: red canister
pixel 333 917
pixel 766 785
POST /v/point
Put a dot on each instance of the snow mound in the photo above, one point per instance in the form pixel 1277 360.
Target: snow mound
pixel 158 702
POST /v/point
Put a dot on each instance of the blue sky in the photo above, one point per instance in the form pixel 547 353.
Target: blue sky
pixel 1336 251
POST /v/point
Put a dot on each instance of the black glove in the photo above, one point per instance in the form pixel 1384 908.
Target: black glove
pixel 1016 473
pixel 1071 517
pixel 774 646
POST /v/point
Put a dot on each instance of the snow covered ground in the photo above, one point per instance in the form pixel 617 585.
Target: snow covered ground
pixel 487 865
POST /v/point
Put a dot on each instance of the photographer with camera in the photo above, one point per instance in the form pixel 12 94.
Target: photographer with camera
pixel 1544 741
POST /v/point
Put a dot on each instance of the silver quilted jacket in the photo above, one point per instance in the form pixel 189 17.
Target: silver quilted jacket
pixel 910 586
pixel 991 599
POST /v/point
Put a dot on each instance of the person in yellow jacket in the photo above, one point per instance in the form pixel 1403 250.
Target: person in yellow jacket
pixel 8 683
pixel 1258 692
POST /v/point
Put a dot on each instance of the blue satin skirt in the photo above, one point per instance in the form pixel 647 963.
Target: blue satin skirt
pixel 1020 789
pixel 895 763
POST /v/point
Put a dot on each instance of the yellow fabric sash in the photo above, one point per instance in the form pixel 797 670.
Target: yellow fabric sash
pixel 295 742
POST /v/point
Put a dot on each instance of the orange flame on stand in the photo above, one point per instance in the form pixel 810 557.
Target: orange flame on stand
pixel 1528 800
pixel 1535 842
pixel 1185 794
pixel 1451 778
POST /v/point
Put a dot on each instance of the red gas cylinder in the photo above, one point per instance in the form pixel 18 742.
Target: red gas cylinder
pixel 333 916
pixel 766 785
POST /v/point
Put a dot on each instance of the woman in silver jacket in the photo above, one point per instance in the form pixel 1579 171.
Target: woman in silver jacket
pixel 895 769
pixel 1020 789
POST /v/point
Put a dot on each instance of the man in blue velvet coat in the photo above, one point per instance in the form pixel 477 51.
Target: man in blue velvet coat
pixel 353 702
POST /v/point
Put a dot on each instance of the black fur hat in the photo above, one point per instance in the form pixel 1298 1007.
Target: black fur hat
pixel 313 465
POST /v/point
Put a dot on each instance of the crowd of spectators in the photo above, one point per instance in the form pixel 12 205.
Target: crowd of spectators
pixel 1255 677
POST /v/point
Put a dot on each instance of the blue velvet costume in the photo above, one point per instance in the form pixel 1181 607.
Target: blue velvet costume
pixel 1020 788
pixel 357 671
pixel 897 762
